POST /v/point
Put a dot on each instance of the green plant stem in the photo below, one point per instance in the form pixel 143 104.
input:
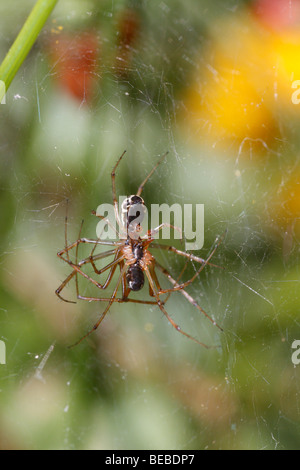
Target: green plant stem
pixel 24 42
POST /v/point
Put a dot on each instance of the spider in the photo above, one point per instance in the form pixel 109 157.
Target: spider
pixel 134 259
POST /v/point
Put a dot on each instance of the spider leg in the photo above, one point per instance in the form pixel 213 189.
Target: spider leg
pixel 119 300
pixel 100 271
pixel 63 285
pixel 85 240
pixel 111 266
pixel 92 259
pixel 185 294
pixel 125 288
pixel 189 256
pixel 114 294
pixel 76 269
pixel 89 241
pixel 76 258
pixel 179 277
pixel 141 187
pixel 71 275
pixel 66 227
pixel 151 233
pixel 113 183
pixel 159 303
pixel 187 283
pixel 156 281
pixel 79 240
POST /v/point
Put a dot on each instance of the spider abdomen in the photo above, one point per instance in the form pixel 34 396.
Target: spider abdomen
pixel 135 277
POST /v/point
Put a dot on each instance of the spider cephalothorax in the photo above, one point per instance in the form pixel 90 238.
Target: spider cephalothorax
pixel 133 211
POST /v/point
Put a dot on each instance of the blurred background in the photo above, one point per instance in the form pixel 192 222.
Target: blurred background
pixel 215 83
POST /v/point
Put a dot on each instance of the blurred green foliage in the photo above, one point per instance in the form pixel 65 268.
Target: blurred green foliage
pixel 136 383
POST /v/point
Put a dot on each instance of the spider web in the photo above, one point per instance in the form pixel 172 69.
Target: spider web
pixel 137 383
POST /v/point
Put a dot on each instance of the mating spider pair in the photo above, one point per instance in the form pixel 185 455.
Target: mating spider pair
pixel 132 256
